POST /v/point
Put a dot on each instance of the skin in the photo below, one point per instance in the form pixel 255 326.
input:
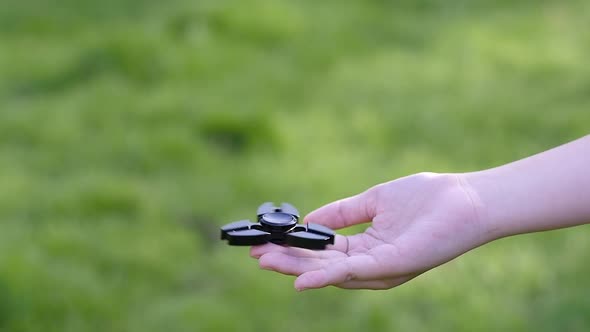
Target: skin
pixel 424 220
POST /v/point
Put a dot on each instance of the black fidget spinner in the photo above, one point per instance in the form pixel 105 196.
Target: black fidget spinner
pixel 277 225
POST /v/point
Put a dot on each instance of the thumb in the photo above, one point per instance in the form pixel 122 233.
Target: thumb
pixel 346 212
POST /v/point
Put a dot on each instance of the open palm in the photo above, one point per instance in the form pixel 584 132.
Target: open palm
pixel 417 223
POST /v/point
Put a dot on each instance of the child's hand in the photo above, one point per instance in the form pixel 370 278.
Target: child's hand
pixel 418 222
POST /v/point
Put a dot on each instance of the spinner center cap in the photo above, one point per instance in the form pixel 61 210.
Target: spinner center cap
pixel 278 219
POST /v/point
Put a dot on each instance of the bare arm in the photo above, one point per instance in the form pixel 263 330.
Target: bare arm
pixel 546 191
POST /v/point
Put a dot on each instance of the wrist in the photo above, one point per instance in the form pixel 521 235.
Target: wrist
pixel 483 190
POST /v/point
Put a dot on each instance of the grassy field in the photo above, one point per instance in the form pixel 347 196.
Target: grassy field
pixel 131 130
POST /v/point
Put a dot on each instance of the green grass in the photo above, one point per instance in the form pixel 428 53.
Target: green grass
pixel 130 130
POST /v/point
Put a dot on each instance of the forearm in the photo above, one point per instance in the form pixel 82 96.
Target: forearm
pixel 546 191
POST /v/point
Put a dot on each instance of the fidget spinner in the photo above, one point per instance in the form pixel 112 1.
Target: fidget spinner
pixel 277 225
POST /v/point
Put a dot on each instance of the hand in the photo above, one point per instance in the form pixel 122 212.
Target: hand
pixel 418 222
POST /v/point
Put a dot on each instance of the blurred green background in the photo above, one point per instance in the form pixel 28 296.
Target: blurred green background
pixel 130 130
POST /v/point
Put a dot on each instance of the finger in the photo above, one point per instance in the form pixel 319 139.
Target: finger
pixel 258 251
pixel 343 244
pixel 375 284
pixel 291 265
pixel 346 212
pixel 356 243
pixel 361 267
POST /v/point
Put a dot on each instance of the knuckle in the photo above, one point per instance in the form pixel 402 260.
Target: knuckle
pixel 265 262
pixel 349 272
pixel 372 200
pixel 340 210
